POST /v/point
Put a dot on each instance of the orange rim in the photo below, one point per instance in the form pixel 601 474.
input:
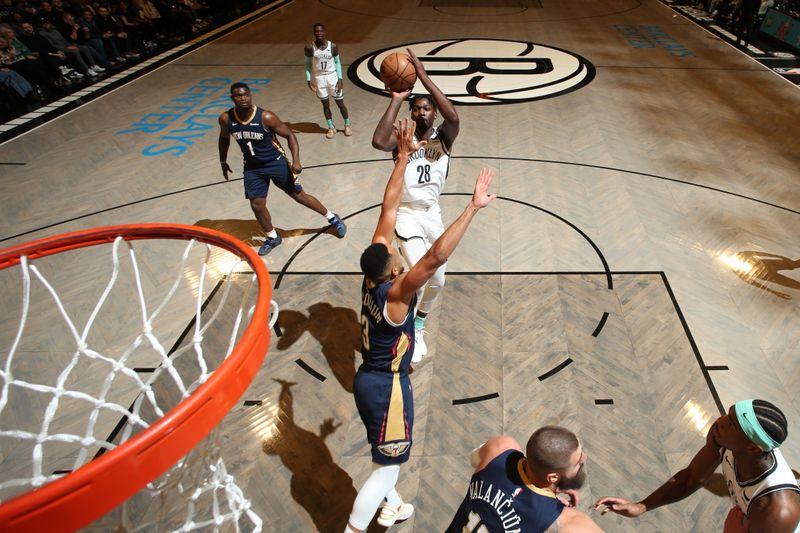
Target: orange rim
pixel 91 491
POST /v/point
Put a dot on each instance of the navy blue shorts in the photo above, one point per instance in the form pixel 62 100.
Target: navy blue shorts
pixel 257 177
pixel 386 406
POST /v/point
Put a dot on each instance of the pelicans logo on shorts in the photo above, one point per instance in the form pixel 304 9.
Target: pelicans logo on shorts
pixel 485 71
pixel 394 449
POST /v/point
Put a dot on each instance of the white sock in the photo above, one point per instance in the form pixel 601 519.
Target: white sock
pixel 379 485
pixel 272 234
pixel 393 499
pixel 329 216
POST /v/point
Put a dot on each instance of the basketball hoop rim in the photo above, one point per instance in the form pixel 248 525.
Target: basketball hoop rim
pixel 94 489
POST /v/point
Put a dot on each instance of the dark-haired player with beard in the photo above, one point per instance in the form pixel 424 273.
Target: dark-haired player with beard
pixel 512 491
pixel 763 489
pixel 419 218
pixel 254 129
pixel 382 387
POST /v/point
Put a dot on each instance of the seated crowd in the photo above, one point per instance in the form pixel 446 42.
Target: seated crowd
pixel 49 48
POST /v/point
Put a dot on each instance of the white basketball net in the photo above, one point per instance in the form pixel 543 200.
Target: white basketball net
pixel 86 392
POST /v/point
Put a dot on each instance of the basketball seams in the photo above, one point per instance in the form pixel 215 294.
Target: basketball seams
pixel 397 72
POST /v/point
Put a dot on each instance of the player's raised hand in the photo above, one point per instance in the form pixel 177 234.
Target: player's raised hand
pixel 401 96
pixel 418 66
pixel 480 196
pixel 407 144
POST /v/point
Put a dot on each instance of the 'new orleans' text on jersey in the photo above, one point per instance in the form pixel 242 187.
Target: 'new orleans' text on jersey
pixel 256 141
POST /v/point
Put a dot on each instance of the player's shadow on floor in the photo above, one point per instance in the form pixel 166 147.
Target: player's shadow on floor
pixel 761 270
pixel 306 127
pixel 335 328
pixel 251 233
pixel 318 484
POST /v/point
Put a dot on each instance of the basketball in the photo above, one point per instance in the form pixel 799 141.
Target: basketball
pixel 398 73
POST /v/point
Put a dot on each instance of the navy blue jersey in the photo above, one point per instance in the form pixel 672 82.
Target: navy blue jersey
pixel 384 346
pixel 501 498
pixel 256 140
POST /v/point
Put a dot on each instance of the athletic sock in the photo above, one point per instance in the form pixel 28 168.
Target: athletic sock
pixel 272 234
pixel 330 123
pixel 393 499
pixel 419 322
pixel 347 122
pixel 379 484
pixel 329 216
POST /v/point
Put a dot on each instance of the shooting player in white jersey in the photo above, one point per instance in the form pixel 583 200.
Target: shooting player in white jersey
pixel 322 56
pixel 419 219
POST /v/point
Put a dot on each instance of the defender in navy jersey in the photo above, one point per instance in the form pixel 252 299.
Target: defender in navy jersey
pixel 419 218
pixel 382 388
pixel 515 493
pixel 765 496
pixel 254 130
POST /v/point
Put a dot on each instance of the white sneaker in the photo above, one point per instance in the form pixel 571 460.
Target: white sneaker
pixel 420 348
pixel 390 515
pixel 98 68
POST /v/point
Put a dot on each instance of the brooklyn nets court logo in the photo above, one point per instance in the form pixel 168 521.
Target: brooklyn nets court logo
pixel 485 71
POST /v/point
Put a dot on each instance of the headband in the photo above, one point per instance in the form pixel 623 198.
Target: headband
pixel 749 423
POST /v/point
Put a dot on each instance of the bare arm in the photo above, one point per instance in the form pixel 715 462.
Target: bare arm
pixel 406 285
pixel 574 521
pixel 450 128
pixel 383 138
pixel 223 143
pixel 494 447
pixel 404 131
pixel 275 124
pixel 678 487
pixel 778 512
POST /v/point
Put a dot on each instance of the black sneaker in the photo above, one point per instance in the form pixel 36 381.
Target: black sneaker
pixel 338 225
pixel 269 244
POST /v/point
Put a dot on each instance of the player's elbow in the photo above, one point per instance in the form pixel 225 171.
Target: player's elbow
pixel 381 144
pixel 436 257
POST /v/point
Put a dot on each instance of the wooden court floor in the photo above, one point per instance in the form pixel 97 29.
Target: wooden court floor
pixel 638 273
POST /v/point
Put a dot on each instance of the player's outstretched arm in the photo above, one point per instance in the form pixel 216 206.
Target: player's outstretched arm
pixel 451 126
pixel 270 120
pixel 383 138
pixel 406 145
pixel 678 487
pixel 405 286
pixel 223 143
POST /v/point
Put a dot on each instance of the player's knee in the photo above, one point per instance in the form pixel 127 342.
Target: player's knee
pixel 299 196
pixel 258 204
